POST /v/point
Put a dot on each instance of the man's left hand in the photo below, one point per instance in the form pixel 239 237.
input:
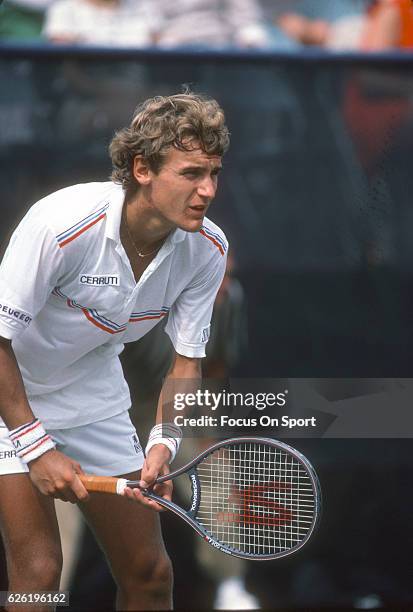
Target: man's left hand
pixel 156 464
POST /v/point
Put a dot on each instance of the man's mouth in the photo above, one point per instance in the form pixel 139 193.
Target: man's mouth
pixel 198 211
pixel 199 207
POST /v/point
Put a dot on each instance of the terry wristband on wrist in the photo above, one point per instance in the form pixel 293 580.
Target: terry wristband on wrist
pixel 168 434
pixel 30 440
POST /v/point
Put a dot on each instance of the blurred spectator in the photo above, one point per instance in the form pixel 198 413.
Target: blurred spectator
pixel 375 105
pixel 389 24
pixel 22 19
pixel 386 24
pixel 211 23
pixel 101 22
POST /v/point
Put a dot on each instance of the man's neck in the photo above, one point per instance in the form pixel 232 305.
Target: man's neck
pixel 144 223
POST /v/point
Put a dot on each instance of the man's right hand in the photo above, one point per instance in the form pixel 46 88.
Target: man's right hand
pixel 56 475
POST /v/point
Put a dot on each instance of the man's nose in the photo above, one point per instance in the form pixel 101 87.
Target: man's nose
pixel 207 188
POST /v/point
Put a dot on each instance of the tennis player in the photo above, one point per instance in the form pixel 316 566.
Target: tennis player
pixel 89 268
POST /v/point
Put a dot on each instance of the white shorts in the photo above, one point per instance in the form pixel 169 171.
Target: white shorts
pixel 107 448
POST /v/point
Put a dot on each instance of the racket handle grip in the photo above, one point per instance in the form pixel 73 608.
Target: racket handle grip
pixel 103 484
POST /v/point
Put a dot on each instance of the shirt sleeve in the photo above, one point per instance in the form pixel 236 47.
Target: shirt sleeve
pixel 30 269
pixel 190 316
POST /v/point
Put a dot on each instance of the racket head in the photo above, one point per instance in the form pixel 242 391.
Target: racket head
pixel 254 498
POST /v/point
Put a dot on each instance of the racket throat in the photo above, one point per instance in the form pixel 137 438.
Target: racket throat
pixel 196 493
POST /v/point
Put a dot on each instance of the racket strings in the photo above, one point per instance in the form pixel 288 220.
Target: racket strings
pixel 256 498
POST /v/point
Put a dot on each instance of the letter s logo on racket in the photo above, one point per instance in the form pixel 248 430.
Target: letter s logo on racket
pixel 254 498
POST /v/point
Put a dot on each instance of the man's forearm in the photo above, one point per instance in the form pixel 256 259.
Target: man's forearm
pixel 14 406
pixel 184 377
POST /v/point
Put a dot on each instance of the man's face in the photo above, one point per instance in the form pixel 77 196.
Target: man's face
pixel 184 187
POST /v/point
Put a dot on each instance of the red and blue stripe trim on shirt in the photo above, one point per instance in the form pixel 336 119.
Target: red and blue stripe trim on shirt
pixel 92 315
pixel 106 324
pixel 137 317
pixel 82 226
pixel 214 238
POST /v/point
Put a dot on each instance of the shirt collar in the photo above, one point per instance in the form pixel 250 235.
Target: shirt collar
pixel 178 235
pixel 114 212
pixel 114 216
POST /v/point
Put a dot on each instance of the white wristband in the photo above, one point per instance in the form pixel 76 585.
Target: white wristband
pixel 30 441
pixel 168 434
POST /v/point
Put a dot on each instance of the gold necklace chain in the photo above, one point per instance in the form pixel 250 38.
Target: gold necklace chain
pixel 140 254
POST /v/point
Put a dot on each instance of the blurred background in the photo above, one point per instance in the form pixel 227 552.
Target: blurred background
pixel 316 200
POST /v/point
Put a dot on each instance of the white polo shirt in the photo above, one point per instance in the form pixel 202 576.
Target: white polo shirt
pixel 69 300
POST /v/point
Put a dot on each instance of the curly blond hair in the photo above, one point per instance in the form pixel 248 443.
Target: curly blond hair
pixel 162 122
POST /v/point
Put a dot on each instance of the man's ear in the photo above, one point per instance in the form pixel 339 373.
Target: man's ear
pixel 141 170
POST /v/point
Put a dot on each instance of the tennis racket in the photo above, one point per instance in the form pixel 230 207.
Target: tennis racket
pixel 254 498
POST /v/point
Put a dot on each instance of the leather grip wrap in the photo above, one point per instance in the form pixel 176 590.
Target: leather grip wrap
pixel 103 484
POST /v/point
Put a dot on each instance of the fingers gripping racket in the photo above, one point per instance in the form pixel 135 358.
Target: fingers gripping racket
pixel 253 498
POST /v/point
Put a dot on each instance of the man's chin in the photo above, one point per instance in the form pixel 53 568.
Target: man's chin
pixel 192 225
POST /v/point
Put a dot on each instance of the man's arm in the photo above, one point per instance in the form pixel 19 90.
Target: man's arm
pixel 14 406
pixel 186 373
pixel 53 473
